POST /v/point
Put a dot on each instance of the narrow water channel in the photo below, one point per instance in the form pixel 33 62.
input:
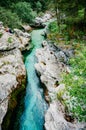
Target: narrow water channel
pixel 35 105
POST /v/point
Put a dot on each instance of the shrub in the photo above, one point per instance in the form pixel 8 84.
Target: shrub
pixel 10 40
pixel 38 6
pixel 53 27
pixel 8 18
pixel 24 11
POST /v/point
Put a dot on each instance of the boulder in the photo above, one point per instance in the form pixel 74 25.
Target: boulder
pixel 9 41
pixel 43 19
pixel 20 33
pixel 26 28
pixel 40 21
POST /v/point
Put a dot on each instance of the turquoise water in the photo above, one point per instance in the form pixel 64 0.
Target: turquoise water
pixel 35 105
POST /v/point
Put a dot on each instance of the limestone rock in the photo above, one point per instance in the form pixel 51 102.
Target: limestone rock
pixel 51 64
pixel 26 28
pixel 43 19
pixel 54 119
pixel 3 110
pixel 40 21
pixel 9 41
pixel 11 67
pixel 49 68
pixel 20 33
pixel 23 37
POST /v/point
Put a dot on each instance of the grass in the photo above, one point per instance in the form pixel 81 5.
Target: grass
pixel 10 40
pixel 75 82
pixel 76 85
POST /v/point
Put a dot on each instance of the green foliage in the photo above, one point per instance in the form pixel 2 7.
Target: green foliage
pixel 9 3
pixel 76 85
pixel 8 18
pixel 40 14
pixel 24 11
pixel 70 12
pixel 10 40
pixel 38 6
pixel 1 34
pixel 13 12
pixel 53 27
pixel 54 34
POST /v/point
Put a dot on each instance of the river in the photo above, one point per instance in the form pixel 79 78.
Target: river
pixel 35 105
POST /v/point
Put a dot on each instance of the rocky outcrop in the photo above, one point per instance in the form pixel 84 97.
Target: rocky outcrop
pixel 40 21
pixel 52 61
pixel 26 28
pixel 54 119
pixel 44 18
pixel 50 67
pixel 12 69
pixel 9 41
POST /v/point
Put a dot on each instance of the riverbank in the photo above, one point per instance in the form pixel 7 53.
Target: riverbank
pixel 52 62
pixel 12 73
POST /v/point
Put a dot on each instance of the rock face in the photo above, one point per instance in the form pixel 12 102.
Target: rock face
pixel 43 19
pixel 51 64
pixel 9 41
pixel 27 28
pixel 49 67
pixel 54 119
pixel 40 21
pixel 12 69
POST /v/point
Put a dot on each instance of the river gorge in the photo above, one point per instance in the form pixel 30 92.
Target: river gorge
pixel 24 97
pixel 35 105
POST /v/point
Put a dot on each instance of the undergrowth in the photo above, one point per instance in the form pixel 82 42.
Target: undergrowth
pixel 75 81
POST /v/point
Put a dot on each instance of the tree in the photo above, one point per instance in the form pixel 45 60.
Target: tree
pixel 9 19
pixel 38 6
pixel 24 11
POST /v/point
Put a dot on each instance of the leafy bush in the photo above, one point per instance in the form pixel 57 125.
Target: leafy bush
pixel 8 18
pixel 53 27
pixel 38 6
pixel 10 40
pixel 24 11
